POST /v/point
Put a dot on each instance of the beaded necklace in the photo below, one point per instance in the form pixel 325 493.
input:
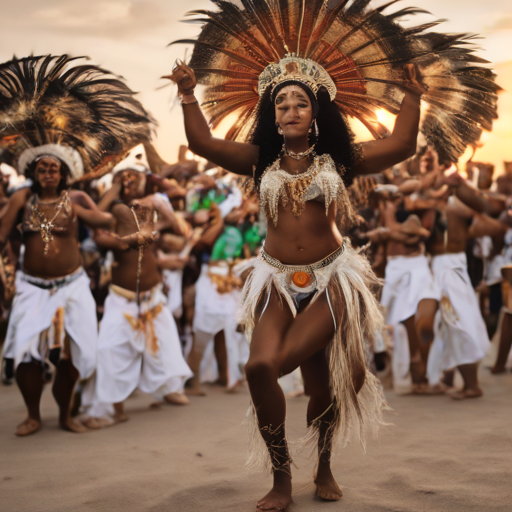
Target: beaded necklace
pixel 45 226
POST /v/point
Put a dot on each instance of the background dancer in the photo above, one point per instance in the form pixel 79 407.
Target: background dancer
pixel 139 345
pixel 409 294
pixel 66 132
pixel 300 98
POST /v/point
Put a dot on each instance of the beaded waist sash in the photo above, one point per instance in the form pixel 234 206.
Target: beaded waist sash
pixel 53 284
pixel 301 268
pixel 301 278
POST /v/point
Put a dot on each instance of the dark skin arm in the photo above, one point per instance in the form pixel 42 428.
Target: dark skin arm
pixel 16 203
pixel 111 195
pixel 211 234
pixel 240 158
pixel 379 155
pixel 475 199
pixel 108 240
pixel 87 211
pixel 129 236
pixel 167 219
pixel 483 225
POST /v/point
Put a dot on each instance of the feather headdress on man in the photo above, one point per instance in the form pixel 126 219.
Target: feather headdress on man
pixel 77 112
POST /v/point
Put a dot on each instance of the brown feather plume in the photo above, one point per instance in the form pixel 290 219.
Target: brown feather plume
pixel 363 50
pixel 56 100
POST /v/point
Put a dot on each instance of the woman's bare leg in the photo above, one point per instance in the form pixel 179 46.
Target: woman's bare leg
pixel 505 344
pixel 66 378
pixel 315 372
pixel 311 331
pixel 262 371
pixel 30 381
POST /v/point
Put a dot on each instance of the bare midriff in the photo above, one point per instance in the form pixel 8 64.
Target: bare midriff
pixel 305 239
pixel 124 270
pixel 457 235
pixel 400 249
pixel 63 256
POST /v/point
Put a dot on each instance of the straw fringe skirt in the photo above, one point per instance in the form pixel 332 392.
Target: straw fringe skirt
pixel 350 286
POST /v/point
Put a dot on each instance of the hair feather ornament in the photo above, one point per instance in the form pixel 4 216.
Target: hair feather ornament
pixel 80 113
pixel 357 53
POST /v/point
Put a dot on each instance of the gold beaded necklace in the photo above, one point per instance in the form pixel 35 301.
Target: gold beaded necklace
pixel 45 226
pixel 298 156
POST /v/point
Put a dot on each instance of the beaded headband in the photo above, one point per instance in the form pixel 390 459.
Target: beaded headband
pixel 296 69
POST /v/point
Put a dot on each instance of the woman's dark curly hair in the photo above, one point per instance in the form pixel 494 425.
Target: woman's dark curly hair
pixel 335 137
pixel 36 187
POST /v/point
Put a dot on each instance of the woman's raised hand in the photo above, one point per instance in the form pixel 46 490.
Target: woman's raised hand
pixel 413 82
pixel 184 77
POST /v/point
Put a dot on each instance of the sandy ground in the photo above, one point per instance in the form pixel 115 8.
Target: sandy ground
pixel 440 455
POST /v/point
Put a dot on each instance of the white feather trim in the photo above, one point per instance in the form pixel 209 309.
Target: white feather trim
pixel 71 157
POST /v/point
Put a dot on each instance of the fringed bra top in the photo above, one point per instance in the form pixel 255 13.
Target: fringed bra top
pixel 321 182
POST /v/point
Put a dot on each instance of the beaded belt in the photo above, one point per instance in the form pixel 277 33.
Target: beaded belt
pixel 53 284
pixel 302 276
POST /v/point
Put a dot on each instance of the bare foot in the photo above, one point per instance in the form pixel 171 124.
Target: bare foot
pixel 496 370
pixel 120 417
pixel 326 486
pixel 176 399
pixel 195 391
pixel 29 426
pixel 279 498
pixel 465 393
pixel 97 423
pixel 234 387
pixel 419 389
pixel 437 389
pixel 73 425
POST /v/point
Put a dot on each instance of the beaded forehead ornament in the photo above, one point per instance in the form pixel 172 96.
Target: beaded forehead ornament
pixel 296 69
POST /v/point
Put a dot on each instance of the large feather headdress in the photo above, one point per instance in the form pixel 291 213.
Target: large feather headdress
pixel 80 113
pixel 357 53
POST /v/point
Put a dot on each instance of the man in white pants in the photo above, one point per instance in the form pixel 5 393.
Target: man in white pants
pixel 138 344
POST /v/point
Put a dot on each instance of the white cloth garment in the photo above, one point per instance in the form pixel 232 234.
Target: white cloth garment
pixel 129 357
pixel 215 312
pixel 460 333
pixel 401 358
pixel 34 309
pixel 173 279
pixel 408 280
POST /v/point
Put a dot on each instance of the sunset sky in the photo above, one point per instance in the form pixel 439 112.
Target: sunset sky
pixel 130 38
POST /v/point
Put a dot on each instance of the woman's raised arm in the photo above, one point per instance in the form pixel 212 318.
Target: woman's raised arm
pixel 379 155
pixel 235 157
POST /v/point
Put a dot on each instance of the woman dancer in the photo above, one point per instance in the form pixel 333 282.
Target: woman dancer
pixel 60 121
pixel 308 302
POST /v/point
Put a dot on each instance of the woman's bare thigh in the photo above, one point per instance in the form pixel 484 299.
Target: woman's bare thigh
pixel 273 319
pixel 311 331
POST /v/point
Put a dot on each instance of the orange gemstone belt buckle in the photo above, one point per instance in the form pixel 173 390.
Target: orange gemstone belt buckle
pixel 302 281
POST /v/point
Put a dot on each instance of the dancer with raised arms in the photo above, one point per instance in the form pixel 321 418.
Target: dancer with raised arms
pixel 309 301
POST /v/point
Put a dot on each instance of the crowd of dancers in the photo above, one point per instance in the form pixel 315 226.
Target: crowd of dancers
pixel 261 259
pixel 440 240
